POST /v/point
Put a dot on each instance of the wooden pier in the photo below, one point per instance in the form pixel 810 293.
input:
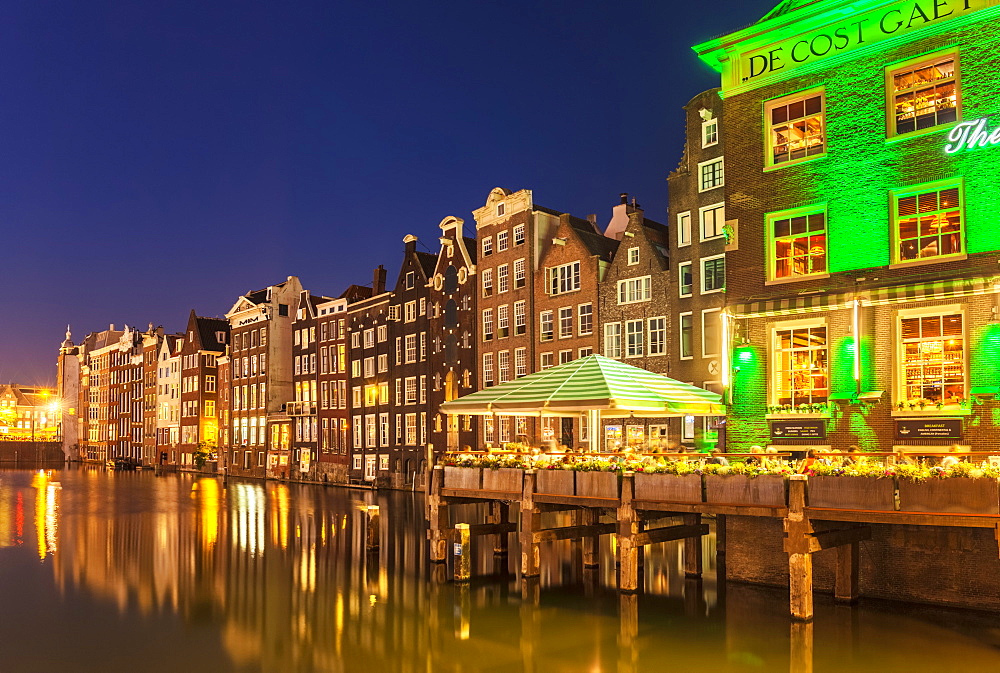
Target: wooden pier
pixel 809 528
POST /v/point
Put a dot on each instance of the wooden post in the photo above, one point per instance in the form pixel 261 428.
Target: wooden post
pixel 372 532
pixel 628 615
pixel 437 516
pixel 463 547
pixel 694 597
pixel 692 548
pixel 720 535
pixel 801 660
pixel 530 520
pixel 797 531
pixel 591 548
pixel 848 561
pixel 499 512
pixel 628 527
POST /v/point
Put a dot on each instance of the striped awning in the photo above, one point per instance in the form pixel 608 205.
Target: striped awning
pixel 941 289
pixel 593 383
pixel 809 303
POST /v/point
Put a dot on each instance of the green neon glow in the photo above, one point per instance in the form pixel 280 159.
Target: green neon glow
pixel 746 425
pixel 866 438
pixel 971 135
pixel 984 364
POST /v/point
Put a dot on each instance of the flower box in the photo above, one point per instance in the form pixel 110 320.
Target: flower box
pixel 737 489
pixel 467 478
pixel 554 482
pixel 852 493
pixel 668 487
pixel 506 479
pixel 597 484
pixel 956 495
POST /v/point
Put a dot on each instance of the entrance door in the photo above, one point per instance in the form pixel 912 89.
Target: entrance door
pixel 567 433
pixel 369 468
pixel 451 393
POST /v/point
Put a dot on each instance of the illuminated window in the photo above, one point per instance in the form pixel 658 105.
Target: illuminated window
pixel 798 243
pixel 487 282
pixel 800 369
pixel 635 290
pixel 928 223
pixel 796 128
pixel 709 133
pixel 923 95
pixel 933 360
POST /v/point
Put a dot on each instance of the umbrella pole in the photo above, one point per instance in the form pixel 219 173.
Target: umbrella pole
pixel 594 421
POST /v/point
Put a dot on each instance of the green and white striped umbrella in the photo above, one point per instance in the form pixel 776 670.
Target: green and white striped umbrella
pixel 593 383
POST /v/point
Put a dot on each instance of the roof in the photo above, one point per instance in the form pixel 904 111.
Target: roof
pixel 356 293
pixel 598 244
pixel 472 246
pixel 427 262
pixel 208 330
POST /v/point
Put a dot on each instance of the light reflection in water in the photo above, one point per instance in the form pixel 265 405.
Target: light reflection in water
pixel 291 587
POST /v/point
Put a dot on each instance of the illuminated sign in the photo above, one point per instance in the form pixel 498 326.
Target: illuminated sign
pixel 249 321
pixel 970 135
pixel 860 30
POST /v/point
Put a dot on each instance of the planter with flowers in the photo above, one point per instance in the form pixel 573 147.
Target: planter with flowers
pixel 868 485
pixel 462 471
pixel 554 477
pixel 597 477
pixel 965 488
pixel 669 481
pixel 743 484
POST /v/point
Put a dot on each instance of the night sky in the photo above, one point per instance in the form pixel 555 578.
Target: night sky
pixel 159 157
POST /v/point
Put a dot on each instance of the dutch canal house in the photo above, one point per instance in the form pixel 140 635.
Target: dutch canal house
pixel 861 164
pixel 304 406
pixel 452 321
pixel 260 372
pixel 204 341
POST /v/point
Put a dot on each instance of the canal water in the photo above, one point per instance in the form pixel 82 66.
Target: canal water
pixel 105 571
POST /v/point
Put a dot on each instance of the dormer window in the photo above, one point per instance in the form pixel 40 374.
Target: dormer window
pixel 501 207
pixel 633 256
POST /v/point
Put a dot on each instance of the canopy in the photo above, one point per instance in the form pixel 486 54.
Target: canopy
pixel 594 383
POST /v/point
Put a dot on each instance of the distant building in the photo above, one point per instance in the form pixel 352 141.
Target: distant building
pixel 168 399
pixel 29 413
pixel 205 341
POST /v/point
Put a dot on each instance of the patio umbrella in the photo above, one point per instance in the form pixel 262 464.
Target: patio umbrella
pixel 596 384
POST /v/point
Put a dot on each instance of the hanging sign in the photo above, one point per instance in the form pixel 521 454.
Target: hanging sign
pixel 804 429
pixel 929 428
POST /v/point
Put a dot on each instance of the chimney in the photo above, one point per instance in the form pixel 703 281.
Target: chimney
pixel 624 197
pixel 592 218
pixel 411 243
pixel 378 281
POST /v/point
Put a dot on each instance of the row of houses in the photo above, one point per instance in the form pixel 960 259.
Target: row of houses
pixel 827 262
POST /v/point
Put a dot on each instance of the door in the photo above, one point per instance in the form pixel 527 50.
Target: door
pixel 369 468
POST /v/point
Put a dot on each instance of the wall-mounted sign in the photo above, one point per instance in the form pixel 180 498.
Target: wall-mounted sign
pixel 804 429
pixel 249 321
pixel 970 135
pixel 929 428
pixel 789 49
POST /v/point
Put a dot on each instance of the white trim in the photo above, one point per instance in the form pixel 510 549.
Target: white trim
pixel 680 229
pixel 698 176
pixel 705 124
pixel 701 274
pixel 720 206
pixel 704 331
pixel 680 335
pixel 680 282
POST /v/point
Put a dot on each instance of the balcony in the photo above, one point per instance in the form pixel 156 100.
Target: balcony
pixel 301 408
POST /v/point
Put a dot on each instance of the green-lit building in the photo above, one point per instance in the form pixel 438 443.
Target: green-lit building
pixel 862 166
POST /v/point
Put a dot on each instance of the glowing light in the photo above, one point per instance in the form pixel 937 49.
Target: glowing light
pixel 971 135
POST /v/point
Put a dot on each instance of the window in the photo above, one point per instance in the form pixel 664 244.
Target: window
pixel 410 280
pixel 584 352
pixel 687 336
pixel 422 307
pixel 520 319
pixel 357 439
pixel 383 333
pixel 684 281
pixel 710 133
pixel 502 241
pixel 923 95
pixel 585 314
pixel 369 364
pixel 488 324
pixel 519 276
pixel 713 221
pixel 487 246
pixel 545 361
pixel 355 339
pixel 399 350
pixel 634 290
pixel 503 366
pixel 487 282
pixel 711 332
pixel 369 338
pixel 564 278
pixel 383 363
pixel 487 369
pixel 409 311
pixel 383 429
pixel 370 431
pixel 503 321
pixel 565 322
pixel 634 339
pixel 710 174
pixel 565 356
pixel 411 347
pixel 501 207
pixel 657 336
pixel 410 390
pixel 488 435
pixel 423 389
pixel 520 362
pixel 795 128
pixel 800 365
pixel 633 256
pixel 503 278
pixel 798 243
pixel 928 223
pixel 519 234
pixel 411 429
pixel 613 340
pixel 684 229
pixel 713 274
pixel 933 359
pixel 545 325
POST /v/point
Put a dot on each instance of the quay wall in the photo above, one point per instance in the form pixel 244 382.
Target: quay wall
pixel 31 452
pixel 924 564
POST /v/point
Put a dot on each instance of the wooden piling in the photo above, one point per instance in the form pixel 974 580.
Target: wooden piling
pixel 437 515
pixel 463 553
pixel 848 562
pixel 693 562
pixel 797 532
pixel 530 523
pixel 499 513
pixel 591 548
pixel 628 527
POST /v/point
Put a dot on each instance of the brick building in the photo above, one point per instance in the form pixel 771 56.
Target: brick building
pixel 408 331
pixel 635 310
pixel 260 324
pixel 28 413
pixel 452 323
pixel 566 289
pixel 168 399
pixel 697 252
pixel 862 296
pixel 512 233
pixel 303 407
pixel 204 341
pixel 370 405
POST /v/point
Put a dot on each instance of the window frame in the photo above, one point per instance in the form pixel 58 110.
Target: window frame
pixel 704 275
pixel 774 359
pixel 721 173
pixel 680 279
pixel 720 207
pixel 913 64
pixel 769 163
pixel 683 227
pixel 771 252
pixel 899 366
pixel 704 331
pixel 915 190
pixel 680 335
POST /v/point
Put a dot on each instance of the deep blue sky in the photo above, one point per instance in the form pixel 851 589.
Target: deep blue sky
pixel 158 157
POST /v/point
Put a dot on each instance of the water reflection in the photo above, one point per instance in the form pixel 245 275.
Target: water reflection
pixel 251 576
